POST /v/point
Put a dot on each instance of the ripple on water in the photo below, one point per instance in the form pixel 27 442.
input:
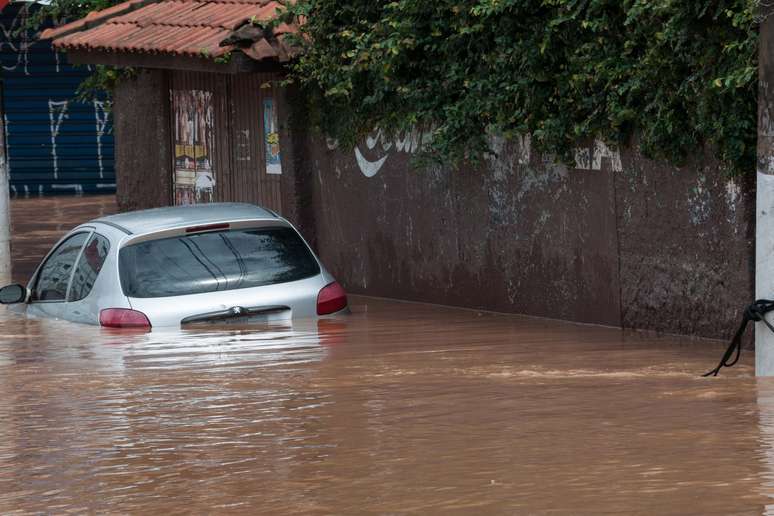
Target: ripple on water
pixel 397 408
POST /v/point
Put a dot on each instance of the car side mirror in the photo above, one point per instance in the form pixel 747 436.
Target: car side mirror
pixel 11 294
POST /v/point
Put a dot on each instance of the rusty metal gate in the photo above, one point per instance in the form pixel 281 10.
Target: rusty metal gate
pixel 226 144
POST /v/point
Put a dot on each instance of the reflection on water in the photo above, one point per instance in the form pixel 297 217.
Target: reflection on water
pixel 398 408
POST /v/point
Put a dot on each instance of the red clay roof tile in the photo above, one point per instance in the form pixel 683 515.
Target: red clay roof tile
pixel 172 27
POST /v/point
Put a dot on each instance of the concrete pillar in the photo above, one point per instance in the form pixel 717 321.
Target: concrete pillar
pixel 765 406
pixel 764 269
pixel 764 201
pixel 143 141
pixel 5 209
pixel 297 164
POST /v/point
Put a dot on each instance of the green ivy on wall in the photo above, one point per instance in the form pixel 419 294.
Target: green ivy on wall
pixel 678 74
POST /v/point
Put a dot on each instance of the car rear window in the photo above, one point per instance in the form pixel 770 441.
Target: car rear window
pixel 210 262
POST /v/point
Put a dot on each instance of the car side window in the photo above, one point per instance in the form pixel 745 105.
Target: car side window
pixel 88 267
pixel 54 275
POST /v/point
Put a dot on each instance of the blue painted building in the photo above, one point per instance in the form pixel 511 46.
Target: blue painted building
pixel 55 143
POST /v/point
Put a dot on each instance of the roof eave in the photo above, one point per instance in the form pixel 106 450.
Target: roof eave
pixel 237 63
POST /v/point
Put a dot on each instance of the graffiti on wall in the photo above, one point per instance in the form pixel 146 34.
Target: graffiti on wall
pixel 57 114
pixel 54 141
pixel 271 137
pixel 194 175
pixel 21 46
pixel 377 147
pixel 102 119
pixel 590 158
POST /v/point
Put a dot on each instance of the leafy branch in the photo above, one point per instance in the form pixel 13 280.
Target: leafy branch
pixel 673 76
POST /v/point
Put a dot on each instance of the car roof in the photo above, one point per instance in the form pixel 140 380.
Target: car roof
pixel 159 219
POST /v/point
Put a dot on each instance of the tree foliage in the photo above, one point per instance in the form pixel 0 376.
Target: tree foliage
pixel 58 12
pixel 674 74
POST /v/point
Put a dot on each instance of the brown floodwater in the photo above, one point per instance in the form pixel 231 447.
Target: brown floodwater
pixel 397 408
pixel 37 222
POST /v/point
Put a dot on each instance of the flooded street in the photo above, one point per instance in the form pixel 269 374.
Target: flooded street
pixel 38 222
pixel 398 408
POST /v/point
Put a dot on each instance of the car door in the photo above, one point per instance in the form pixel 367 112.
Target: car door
pixel 49 288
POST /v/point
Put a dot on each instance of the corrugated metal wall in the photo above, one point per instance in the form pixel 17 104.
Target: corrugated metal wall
pixel 55 144
pixel 239 152
pixel 249 151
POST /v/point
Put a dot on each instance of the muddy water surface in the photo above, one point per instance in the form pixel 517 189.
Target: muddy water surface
pixel 397 408
pixel 38 222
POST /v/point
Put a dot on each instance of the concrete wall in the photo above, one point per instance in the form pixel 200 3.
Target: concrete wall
pixel 687 246
pixel 619 240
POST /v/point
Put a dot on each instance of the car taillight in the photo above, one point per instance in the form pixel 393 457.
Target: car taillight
pixel 123 318
pixel 331 298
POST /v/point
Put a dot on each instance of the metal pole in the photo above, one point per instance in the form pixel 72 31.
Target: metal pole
pixel 764 269
pixel 764 199
pixel 5 206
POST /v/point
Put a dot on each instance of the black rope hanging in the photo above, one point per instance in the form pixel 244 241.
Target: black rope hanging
pixel 755 312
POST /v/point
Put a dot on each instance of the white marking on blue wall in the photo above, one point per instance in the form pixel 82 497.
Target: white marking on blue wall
pixel 102 117
pixel 77 189
pixel 57 113
pixel 20 47
pixel 33 74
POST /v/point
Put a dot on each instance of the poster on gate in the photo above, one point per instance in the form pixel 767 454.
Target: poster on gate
pixel 194 176
pixel 271 137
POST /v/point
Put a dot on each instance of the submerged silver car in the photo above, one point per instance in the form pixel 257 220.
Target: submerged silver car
pixel 222 262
